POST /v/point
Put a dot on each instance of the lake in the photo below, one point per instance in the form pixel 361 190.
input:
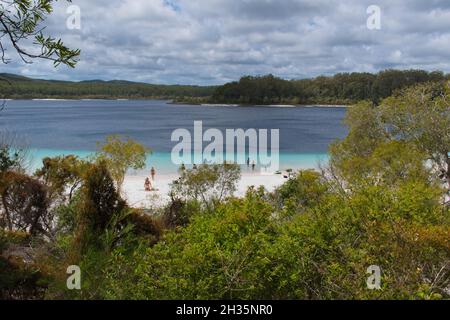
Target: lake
pixel 58 127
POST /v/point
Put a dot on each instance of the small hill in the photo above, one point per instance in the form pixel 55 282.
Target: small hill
pixel 19 87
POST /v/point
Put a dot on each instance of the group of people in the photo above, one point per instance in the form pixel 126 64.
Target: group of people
pixel 253 164
pixel 148 184
pixel 249 163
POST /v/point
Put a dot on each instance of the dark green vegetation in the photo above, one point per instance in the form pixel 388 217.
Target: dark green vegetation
pixel 383 201
pixel 17 87
pixel 342 88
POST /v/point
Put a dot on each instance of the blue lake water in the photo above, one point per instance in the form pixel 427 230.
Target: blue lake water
pixel 50 128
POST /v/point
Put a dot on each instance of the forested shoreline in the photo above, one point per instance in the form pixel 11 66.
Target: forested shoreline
pixel 17 87
pixel 340 89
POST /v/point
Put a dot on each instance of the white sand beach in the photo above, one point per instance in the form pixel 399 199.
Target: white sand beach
pixel 137 197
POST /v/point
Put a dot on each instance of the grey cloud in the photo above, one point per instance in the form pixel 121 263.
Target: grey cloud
pixel 214 41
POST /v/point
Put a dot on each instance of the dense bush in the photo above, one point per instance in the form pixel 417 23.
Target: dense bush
pixel 19 279
pixel 246 249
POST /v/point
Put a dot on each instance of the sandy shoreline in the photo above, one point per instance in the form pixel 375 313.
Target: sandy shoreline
pixel 137 197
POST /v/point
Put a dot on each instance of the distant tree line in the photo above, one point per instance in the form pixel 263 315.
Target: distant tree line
pixel 16 87
pixel 343 88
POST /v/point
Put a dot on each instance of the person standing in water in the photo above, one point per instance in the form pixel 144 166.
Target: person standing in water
pixel 153 173
pixel 248 162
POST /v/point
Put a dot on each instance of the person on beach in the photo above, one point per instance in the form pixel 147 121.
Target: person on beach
pixel 153 173
pixel 183 167
pixel 147 185
pixel 248 162
pixel 253 166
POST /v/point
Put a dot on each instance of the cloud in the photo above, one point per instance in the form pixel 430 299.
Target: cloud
pixel 214 41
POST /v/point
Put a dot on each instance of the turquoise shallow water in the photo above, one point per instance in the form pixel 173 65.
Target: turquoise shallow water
pixel 53 128
pixel 164 165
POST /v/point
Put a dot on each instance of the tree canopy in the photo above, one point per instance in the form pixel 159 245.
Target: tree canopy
pixel 343 88
pixel 21 20
pixel 121 154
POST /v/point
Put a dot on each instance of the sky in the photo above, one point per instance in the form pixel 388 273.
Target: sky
pixel 208 42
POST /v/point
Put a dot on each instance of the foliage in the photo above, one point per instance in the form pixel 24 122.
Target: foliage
pixel 12 155
pixel 324 253
pixel 21 20
pixel 61 174
pixel 8 161
pixel 207 184
pixel 256 90
pixel 400 136
pixel 19 281
pixel 214 257
pixel 421 115
pixel 27 88
pixel 179 212
pixel 24 204
pixel 120 155
pixel 343 88
pixel 302 191
pixel 91 225
pixel 100 205
pixel 243 250
pixel 390 164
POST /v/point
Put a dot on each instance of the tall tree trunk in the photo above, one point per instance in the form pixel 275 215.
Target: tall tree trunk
pixel 7 215
pixel 448 171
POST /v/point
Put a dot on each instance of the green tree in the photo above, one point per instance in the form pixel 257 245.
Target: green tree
pixel 398 139
pixel 421 115
pixel 99 205
pixel 24 204
pixel 21 20
pixel 8 159
pixel 217 256
pixel 207 184
pixel 120 155
pixel 305 190
pixel 12 154
pixel 63 175
pixel 342 88
pixel 245 249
